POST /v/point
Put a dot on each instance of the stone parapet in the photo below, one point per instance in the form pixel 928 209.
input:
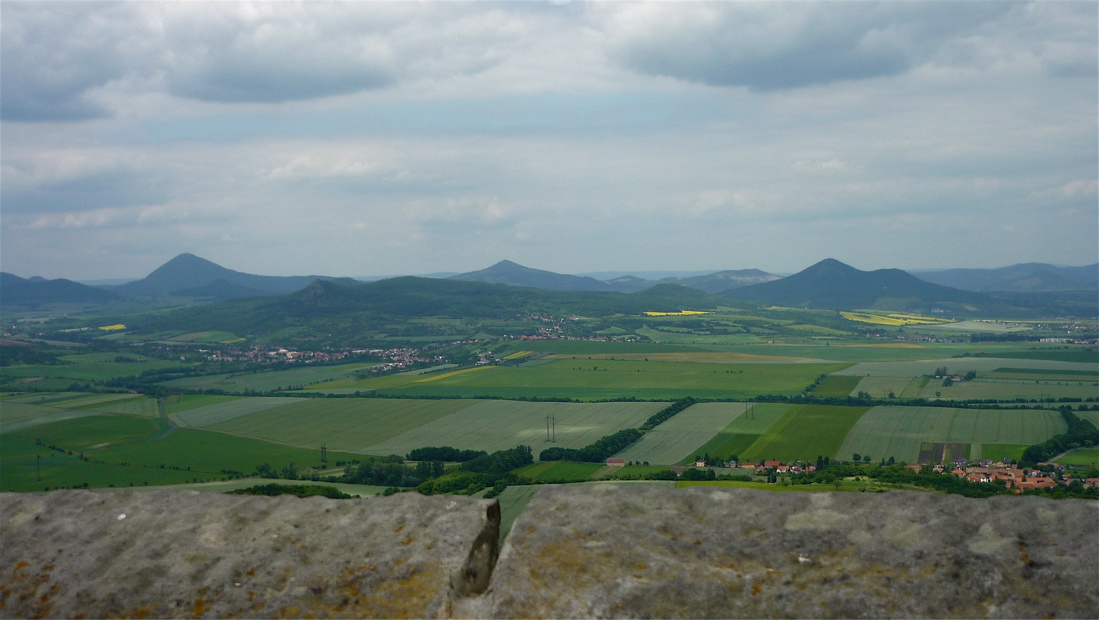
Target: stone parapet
pixel 577 551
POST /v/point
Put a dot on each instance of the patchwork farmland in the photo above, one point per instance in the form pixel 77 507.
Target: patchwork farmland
pixel 899 431
pixel 805 432
pixel 500 425
pixel 681 436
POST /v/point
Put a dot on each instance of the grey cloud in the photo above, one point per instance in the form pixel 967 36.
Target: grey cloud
pixel 223 54
pixel 788 45
pixel 51 55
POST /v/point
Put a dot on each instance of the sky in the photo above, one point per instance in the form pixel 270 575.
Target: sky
pixel 389 138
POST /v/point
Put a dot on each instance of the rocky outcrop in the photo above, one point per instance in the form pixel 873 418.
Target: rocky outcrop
pixel 592 550
pixel 706 552
pixel 70 554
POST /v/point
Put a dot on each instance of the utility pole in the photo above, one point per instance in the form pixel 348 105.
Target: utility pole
pixel 38 466
pixel 324 452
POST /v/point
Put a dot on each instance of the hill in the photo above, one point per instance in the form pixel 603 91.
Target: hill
pixel 513 274
pixel 726 280
pixel 23 291
pixel 715 283
pixel 348 306
pixel 832 284
pixel 187 272
pixel 1021 278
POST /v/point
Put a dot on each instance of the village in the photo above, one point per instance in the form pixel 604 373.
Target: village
pixel 1043 476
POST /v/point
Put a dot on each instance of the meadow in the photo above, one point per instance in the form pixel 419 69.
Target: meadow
pixel 956 365
pixel 1085 457
pixel 20 413
pixel 739 434
pixel 349 424
pixel 884 387
pixel 898 431
pixel 681 436
pixel 499 425
pixel 88 367
pixel 226 410
pixel 1009 390
pixel 558 471
pixel 269 381
pixel 122 450
pixel 804 433
pixel 594 379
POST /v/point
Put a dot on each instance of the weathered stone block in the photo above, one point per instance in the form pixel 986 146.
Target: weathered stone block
pixel 707 552
pixel 178 553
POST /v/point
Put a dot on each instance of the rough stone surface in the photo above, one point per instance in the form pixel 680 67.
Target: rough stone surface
pixel 709 552
pixel 177 553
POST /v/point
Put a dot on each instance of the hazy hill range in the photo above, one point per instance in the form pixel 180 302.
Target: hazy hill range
pixel 349 305
pixel 832 284
pixel 187 274
pixel 716 282
pixel 22 291
pixel 1021 278
pixel 513 274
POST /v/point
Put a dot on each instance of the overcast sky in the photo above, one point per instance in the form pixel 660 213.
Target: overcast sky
pixel 400 138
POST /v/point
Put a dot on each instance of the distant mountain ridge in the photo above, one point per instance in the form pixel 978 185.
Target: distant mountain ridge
pixel 1021 278
pixel 834 285
pixel 186 273
pixel 514 274
pixel 37 290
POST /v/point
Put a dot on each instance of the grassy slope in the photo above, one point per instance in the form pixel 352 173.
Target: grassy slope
pixel 804 433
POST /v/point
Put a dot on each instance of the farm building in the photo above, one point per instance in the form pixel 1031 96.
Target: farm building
pixel 616 462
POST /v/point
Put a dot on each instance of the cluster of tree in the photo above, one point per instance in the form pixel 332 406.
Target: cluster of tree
pixel 713 461
pixel 393 474
pixel 301 490
pixel 666 413
pixel 596 452
pixel 17 354
pixel 1081 433
pixel 698 474
pixel 484 471
pixel 444 453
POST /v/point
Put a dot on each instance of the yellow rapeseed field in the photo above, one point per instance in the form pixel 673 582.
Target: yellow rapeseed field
pixel 111 328
pixel 451 374
pixel 893 319
pixel 518 354
pixel 680 313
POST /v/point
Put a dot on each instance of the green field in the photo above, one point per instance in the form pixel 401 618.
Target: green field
pixel 898 431
pixel 804 433
pixel 998 451
pixel 16 416
pixel 126 450
pixel 1084 457
pixel 362 490
pixel 1009 390
pixel 176 404
pixel 836 386
pixel 882 387
pixel 89 367
pixel 559 471
pixel 350 424
pixel 959 365
pixel 681 436
pixel 601 379
pixel 499 425
pixel 268 381
pixel 844 485
pixel 226 410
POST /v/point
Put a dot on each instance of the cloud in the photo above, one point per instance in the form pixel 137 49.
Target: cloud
pixel 53 54
pixel 776 46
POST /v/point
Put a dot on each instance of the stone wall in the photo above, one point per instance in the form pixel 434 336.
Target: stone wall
pixel 593 550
